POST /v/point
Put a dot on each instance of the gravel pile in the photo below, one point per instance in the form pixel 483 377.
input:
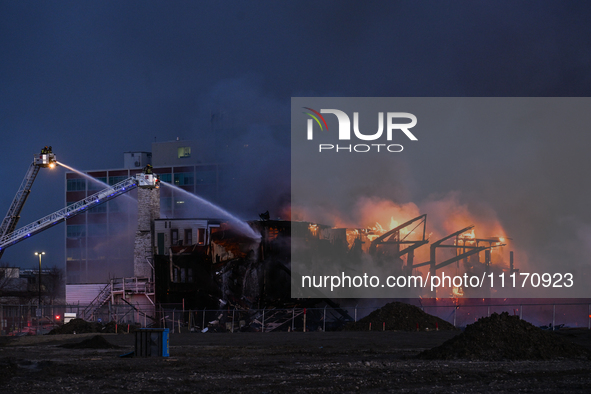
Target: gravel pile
pixel 96 342
pixel 400 317
pixel 505 337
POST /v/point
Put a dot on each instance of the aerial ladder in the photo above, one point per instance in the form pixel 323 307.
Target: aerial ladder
pixel 145 180
pixel 45 159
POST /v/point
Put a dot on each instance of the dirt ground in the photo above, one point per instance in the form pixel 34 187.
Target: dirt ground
pixel 285 362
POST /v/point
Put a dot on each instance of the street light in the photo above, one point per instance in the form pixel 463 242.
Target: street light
pixel 39 254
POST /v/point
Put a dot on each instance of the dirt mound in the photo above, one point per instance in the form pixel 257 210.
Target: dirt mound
pixel 504 337
pixel 78 326
pixel 96 342
pixel 401 317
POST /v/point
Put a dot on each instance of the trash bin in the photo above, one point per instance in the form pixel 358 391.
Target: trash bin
pixel 151 342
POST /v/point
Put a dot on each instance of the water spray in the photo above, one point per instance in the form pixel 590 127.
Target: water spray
pixel 242 226
pixel 90 178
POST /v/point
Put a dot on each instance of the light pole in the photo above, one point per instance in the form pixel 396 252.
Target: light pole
pixel 39 254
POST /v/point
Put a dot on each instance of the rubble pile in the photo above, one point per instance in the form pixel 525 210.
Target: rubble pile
pixel 399 316
pixel 96 342
pixel 504 337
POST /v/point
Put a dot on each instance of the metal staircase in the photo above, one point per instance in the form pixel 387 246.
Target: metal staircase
pixel 119 287
pixel 98 301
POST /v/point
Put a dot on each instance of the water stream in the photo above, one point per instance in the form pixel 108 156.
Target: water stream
pixel 239 224
pixel 92 179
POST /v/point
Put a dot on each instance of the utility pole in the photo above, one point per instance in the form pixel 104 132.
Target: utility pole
pixel 39 305
pixel 39 254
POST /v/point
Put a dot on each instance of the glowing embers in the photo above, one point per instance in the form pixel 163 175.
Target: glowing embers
pixel 469 238
pixel 313 228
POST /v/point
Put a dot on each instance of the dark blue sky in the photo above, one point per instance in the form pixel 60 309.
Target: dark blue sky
pixel 94 79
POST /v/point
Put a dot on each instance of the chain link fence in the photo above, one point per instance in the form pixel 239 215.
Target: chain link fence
pixel 31 319
pixel 544 315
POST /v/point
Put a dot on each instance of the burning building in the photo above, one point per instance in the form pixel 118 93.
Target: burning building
pixel 208 263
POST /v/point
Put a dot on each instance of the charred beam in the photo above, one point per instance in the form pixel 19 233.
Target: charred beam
pixel 402 242
pixel 380 239
pixel 460 257
pixel 404 251
pixel 463 247
pixel 437 243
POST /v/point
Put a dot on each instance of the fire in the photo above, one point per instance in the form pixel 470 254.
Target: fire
pixel 469 234
pixel 393 223
pixel 457 292
pixel 313 229
pixel 372 217
pixel 379 230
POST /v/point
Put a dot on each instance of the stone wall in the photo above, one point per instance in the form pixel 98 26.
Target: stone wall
pixel 148 210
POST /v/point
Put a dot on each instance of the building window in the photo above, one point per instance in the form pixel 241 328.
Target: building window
pixel 116 179
pixel 165 178
pixel 99 209
pixel 174 236
pixel 188 236
pixel 76 231
pixel 160 241
pixel 76 185
pixel 76 253
pixel 184 178
pixel 184 152
pixel 201 236
pixel 97 230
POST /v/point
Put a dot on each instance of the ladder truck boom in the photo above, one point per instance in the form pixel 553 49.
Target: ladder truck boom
pixel 45 159
pixel 142 180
